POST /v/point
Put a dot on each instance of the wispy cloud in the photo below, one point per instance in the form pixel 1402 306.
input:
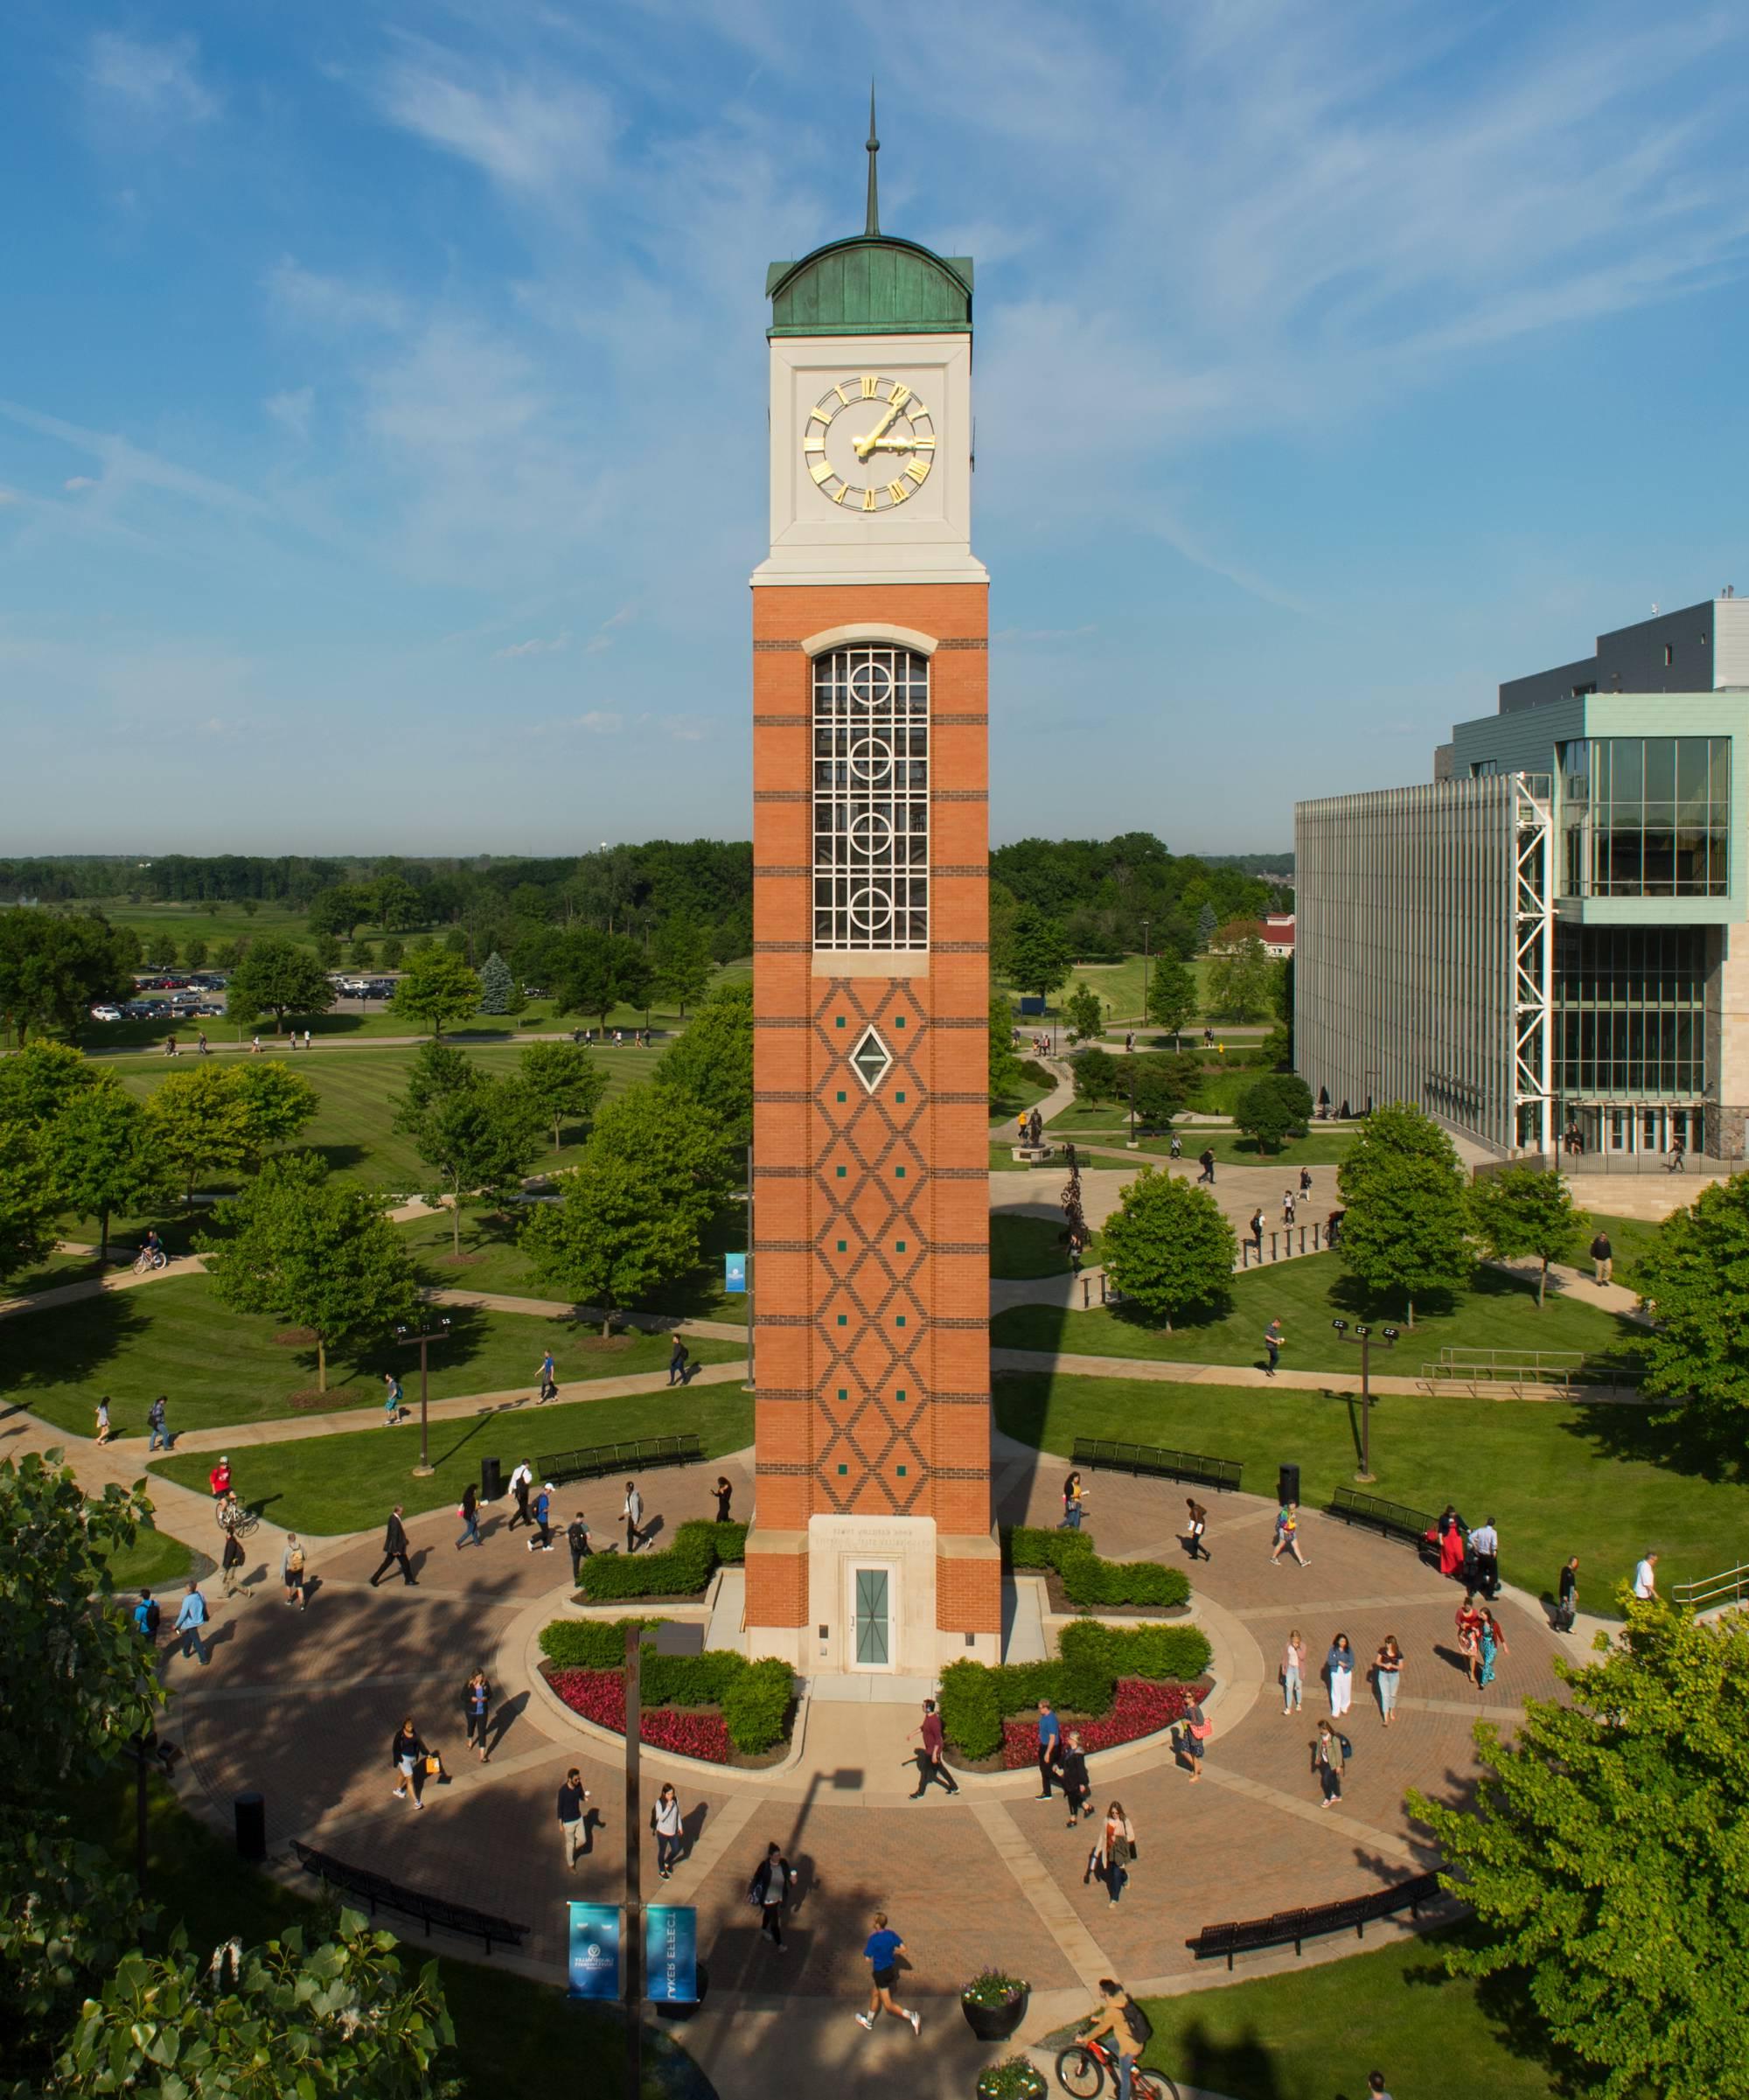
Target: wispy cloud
pixel 535 136
pixel 292 410
pixel 332 304
pixel 551 646
pixel 76 482
pixel 157 87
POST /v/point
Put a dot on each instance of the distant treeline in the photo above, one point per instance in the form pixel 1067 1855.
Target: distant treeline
pixel 1104 893
pixel 1264 864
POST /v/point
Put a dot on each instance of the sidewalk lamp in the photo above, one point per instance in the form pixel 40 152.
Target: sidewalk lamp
pixel 1145 979
pixel 1363 1336
pixel 422 1343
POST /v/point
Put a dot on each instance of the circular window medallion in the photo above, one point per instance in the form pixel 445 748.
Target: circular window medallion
pixel 871 909
pixel 872 684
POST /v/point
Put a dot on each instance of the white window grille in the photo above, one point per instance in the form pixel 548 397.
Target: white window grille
pixel 871 800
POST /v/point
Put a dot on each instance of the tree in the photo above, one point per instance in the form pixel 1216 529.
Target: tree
pixel 1523 1211
pixel 195 954
pixel 105 1156
pixel 1005 1064
pixel 276 1103
pixel 1159 1087
pixel 1260 1112
pixel 593 973
pixel 1097 1076
pixel 1172 994
pixel 313 1252
pixel 1241 981
pixel 666 1135
pixel 228 954
pixel 436 1069
pixel 1038 952
pixel 1084 1011
pixel 438 988
pixel 1207 920
pixel 364 955
pixel 1607 1861
pixel 1406 1229
pixel 200 1121
pixel 1697 1272
pixel 712 1062
pixel 40 1081
pixel 562 1079
pixel 336 914
pixel 1168 1245
pixel 497 987
pixel 29 1200
pixel 54 970
pixel 393 951
pixel 618 1232
pixel 276 976
pixel 394 904
pixel 326 948
pixel 481 1138
pixel 681 954
pixel 1394 1132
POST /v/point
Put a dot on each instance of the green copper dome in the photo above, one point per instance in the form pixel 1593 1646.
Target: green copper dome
pixel 871 284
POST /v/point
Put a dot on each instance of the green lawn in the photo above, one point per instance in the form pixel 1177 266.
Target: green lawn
pixel 1024 1247
pixel 154 1561
pixel 1497 1312
pixel 220 1367
pixel 1633 1238
pixel 327 1485
pixel 1314 2033
pixel 1318 1148
pixel 1602 1481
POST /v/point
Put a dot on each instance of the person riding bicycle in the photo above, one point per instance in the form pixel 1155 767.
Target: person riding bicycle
pixel 229 1512
pixel 219 1480
pixel 152 1249
pixel 1119 2015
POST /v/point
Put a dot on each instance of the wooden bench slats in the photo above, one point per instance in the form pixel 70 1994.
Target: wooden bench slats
pixel 1294 1927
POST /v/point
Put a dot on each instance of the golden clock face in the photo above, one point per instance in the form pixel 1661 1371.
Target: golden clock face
pixel 868 443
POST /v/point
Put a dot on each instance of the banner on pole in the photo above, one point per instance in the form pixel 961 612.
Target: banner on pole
pixel 734 1271
pixel 671 1954
pixel 593 1956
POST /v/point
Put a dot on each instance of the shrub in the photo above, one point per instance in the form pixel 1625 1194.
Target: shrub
pixel 1139 1707
pixel 681 1570
pixel 971 1717
pixel 754 1698
pixel 588 1643
pixel 756 1704
pixel 1087 1580
pixel 1124 1680
pixel 600 1696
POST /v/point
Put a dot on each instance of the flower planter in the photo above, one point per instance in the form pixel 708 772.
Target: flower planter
pixel 997 2023
pixel 1016 2079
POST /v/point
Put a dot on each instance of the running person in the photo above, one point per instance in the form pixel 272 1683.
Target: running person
pixel 884 1946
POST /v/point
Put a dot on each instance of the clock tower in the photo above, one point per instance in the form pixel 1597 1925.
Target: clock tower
pixel 873 1550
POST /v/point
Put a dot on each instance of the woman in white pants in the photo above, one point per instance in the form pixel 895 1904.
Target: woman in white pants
pixel 1338 1668
pixel 1293 1671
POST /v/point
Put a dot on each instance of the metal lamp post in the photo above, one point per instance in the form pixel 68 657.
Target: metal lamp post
pixel 1362 1335
pixel 1145 979
pixel 422 1343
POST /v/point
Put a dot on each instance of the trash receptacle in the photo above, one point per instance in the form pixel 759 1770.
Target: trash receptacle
pixel 251 1813
pixel 491 1479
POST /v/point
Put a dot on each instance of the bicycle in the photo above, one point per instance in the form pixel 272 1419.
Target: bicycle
pixel 1084 2067
pixel 237 1519
pixel 149 1259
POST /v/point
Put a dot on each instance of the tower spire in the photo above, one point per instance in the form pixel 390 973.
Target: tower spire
pixel 873 226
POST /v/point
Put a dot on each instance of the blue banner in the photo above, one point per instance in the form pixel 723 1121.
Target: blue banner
pixel 594 1960
pixel 671 1954
pixel 734 1271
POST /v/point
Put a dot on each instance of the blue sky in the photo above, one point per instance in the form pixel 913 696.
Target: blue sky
pixel 382 392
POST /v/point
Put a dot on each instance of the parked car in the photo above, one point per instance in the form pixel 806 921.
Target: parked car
pixel 106 1013
pixel 380 988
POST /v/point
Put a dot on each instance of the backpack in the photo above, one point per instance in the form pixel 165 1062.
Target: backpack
pixel 294 1560
pixel 1348 1748
pixel 152 1615
pixel 1140 2026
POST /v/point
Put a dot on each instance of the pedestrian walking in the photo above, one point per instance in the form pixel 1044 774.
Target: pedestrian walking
pixel 1115 1850
pixel 768 1891
pixel 1070 1774
pixel 633 1514
pixel 158 1420
pixel 664 1820
pixel 724 1492
pixel 1339 1674
pixel 1329 1757
pixel 395 1550
pixel 392 1399
pixel 1197 1527
pixel 1049 1729
pixel 1119 2015
pixel 520 1483
pixel 1273 1339
pixel 1387 1670
pixel 1074 1498
pixel 1287 1208
pixel 881 1953
pixel 231 1564
pixel 1646 1579
pixel 218 1480
pixel 578 1537
pixel 412 1761
pixel 1453 1542
pixel 148 1618
pixel 1306 1180
pixel 255 1046
pixel 292 1565
pixel 476 1711
pixel 1468 1623
pixel 1490 1646
pixel 189 1622
pixel 1484 1545
pixel 1194 1731
pixel 200 1045
pixel 1256 1230
pixel 1376 2086
pixel 468 1510
pixel 574 1820
pixel 103 1431
pixel 1175 1150
pixel 1567 1597
pixel 1602 1258
pixel 931 1765
pixel 1205 1160
pixel 1292 1673
pixel 542 1540
pixel 676 1362
pixel 1678 1156
pixel 306 1039
pixel 1288 1534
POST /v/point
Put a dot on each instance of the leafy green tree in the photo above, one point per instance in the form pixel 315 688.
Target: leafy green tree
pixel 326 947
pixel 336 914
pixel 1395 1131
pixel 438 988
pixel 1038 952
pixel 200 1121
pixel 681 954
pixel 29 1200
pixel 478 1140
pixel 1168 1245
pixel 54 970
pixel 671 1141
pixel 392 953
pixel 1005 1062
pixel 105 1157
pixel 1241 981
pixel 251 905
pixel 1697 1272
pixel 321 2020
pixel 1262 1113
pixel 1172 994
pixel 618 1232
pixel 1607 1857
pixel 364 956
pixel 1159 1087
pixel 562 1079
pixel 1098 1076
pixel 1523 1211
pixel 1406 1230
pixel 228 954
pixel 1084 1011
pixel 394 904
pixel 277 1103
pixel 593 973
pixel 436 1069
pixel 712 1062
pixel 277 976
pixel 1207 922
pixel 497 987
pixel 40 1081
pixel 195 954
pixel 314 1252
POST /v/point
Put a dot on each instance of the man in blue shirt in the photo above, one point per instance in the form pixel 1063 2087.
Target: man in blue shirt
pixel 543 1521
pixel 189 1622
pixel 1048 1729
pixel 882 1954
pixel 146 1618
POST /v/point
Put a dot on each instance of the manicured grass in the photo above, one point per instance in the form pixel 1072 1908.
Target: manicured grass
pixel 1314 2033
pixel 220 1367
pixel 1002 1160
pixel 1497 1312
pixel 154 1561
pixel 1022 1247
pixel 328 1485
pixel 1317 1148
pixel 1633 1238
pixel 1601 1481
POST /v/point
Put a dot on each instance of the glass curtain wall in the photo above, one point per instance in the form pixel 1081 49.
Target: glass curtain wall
pixel 1645 816
pixel 1630 1014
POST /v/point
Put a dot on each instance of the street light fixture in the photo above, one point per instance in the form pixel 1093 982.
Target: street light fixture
pixel 422 1342
pixel 1363 1337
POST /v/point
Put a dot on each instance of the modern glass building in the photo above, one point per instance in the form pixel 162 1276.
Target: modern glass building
pixel 1552 936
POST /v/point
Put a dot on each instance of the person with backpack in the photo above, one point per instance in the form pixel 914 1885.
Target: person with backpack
pixel 578 1537
pixel 520 1481
pixel 1205 1160
pixel 768 1891
pixel 931 1764
pixel 1330 1760
pixel 147 1618
pixel 1288 1534
pixel 1074 1504
pixel 231 1562
pixel 1119 2015
pixel 392 1399
pixel 542 1539
pixel 1567 1597
pixel 678 1356
pixel 157 1422
pixel 291 1572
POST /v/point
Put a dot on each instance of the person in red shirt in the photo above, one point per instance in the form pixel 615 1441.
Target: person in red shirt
pixel 219 1479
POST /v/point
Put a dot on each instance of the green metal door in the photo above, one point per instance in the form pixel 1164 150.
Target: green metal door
pixel 872 1646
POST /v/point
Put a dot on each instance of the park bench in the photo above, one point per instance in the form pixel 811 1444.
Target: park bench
pixel 375 1888
pixel 1293 1928
pixel 1218 1473
pixel 1393 1519
pixel 635 1454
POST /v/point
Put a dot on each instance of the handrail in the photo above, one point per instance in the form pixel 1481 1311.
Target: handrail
pixel 1732 1587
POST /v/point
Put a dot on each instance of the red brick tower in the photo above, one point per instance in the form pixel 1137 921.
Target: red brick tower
pixel 873 1547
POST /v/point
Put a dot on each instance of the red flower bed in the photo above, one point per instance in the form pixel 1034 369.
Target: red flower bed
pixel 599 1695
pixel 1139 1706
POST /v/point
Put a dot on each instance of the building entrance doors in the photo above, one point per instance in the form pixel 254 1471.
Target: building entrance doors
pixel 871 1599
pixel 1643 1128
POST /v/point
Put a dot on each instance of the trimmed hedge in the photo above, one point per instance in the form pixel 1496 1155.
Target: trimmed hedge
pixel 680 1570
pixel 1087 1581
pixel 754 1697
pixel 1081 1679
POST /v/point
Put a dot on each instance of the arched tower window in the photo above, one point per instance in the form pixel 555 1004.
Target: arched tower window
pixel 871 800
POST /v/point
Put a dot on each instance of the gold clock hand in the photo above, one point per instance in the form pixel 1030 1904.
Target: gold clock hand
pixel 865 445
pixel 895 444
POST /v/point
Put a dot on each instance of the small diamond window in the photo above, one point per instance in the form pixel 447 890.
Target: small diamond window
pixel 871 1060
